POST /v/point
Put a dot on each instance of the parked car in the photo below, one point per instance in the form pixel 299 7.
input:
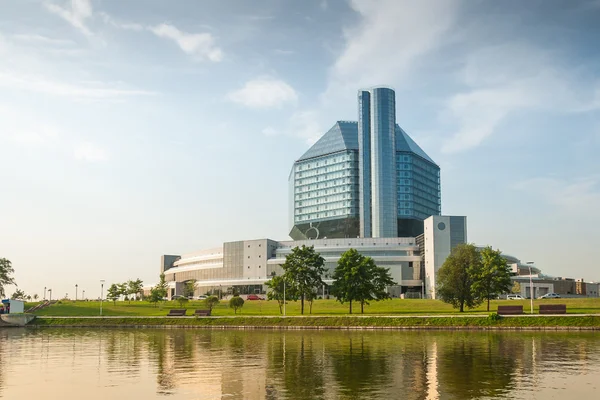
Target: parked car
pixel 254 297
pixel 514 297
pixel 177 297
pixel 201 297
pixel 550 296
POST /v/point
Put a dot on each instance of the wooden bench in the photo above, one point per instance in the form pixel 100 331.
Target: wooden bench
pixel 553 308
pixel 202 313
pixel 177 313
pixel 510 310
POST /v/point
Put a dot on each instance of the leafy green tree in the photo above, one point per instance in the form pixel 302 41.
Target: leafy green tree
pixel 516 288
pixel 18 295
pixel 189 288
pixel 134 288
pixel 162 286
pixel 35 297
pixel 210 302
pixel 122 287
pixel 236 303
pixel 277 288
pixel 492 278
pixel 182 301
pixel 456 276
pixel 303 270
pixel 6 271
pixel 113 293
pixel 310 298
pixel 156 295
pixel 358 278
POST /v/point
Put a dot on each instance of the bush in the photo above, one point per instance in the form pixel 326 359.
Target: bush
pixel 236 303
pixel 494 317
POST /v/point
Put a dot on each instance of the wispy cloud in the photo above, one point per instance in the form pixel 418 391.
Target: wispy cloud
pixel 199 45
pixel 264 93
pixel 75 12
pixel 42 84
pixel 579 195
pixel 130 26
pixel 42 40
pixel 89 152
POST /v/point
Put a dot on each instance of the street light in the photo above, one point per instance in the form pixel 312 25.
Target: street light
pixel 530 286
pixel 75 292
pixel 44 292
pixel 50 291
pixel 83 294
pixel 101 291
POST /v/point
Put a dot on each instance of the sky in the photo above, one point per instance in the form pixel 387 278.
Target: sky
pixel 133 129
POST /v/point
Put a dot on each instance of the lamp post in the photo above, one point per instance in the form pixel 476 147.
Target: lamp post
pixel 101 292
pixel 530 286
pixel 76 292
pixel 50 291
pixel 44 292
pixel 83 294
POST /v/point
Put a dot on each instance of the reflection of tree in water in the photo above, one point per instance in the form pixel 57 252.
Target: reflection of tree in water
pixel 358 369
pixel 123 351
pixel 157 348
pixel 472 365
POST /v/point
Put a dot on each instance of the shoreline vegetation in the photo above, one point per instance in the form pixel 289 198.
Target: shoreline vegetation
pixel 327 314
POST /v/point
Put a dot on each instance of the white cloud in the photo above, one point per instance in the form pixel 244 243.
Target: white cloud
pixel 306 125
pixel 76 14
pixel 89 152
pixel 200 45
pixel 130 26
pixel 264 93
pixel 42 84
pixel 43 40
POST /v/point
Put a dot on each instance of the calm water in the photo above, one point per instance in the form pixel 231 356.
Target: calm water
pixel 197 364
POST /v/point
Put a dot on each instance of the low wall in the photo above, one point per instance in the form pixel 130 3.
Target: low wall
pixel 17 319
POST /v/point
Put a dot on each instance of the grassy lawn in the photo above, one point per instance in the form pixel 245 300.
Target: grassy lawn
pixel 320 307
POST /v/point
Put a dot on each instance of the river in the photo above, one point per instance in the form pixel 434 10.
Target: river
pixel 214 364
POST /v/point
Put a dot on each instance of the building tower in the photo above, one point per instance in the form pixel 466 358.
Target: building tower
pixel 377 163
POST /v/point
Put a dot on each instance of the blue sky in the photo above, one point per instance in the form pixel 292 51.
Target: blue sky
pixel 132 129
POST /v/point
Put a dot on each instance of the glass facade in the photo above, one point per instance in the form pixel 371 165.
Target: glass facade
pixel 364 179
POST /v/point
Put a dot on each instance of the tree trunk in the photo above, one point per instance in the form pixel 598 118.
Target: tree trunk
pixel 488 303
pixel 280 310
pixel 302 303
pixel 350 306
pixel 462 306
pixel 362 307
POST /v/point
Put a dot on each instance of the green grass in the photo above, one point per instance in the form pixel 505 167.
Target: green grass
pixel 333 321
pixel 320 307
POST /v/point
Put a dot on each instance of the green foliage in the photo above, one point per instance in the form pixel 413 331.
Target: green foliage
pixel 491 277
pixel 276 291
pixel 113 293
pixel 236 302
pixel 303 270
pixel 455 277
pixel 211 301
pixel 135 288
pixel 494 317
pixel 18 295
pixel 182 301
pixel 190 288
pixel 357 278
pixel 516 288
pixel 35 297
pixel 162 286
pixel 156 295
pixel 6 272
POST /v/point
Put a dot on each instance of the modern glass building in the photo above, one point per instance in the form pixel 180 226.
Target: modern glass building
pixel 364 179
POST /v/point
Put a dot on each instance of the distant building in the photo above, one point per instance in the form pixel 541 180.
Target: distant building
pixel 364 179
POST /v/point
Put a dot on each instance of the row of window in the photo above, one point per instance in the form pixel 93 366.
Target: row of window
pixel 330 160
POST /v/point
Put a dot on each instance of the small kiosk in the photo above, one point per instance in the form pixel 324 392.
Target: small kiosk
pixel 10 306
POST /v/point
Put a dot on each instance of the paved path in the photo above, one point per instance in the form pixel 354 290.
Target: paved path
pixel 323 316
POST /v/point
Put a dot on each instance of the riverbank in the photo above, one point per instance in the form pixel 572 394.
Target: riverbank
pixel 580 322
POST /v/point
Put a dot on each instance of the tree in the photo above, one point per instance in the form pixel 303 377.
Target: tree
pixel 190 288
pixel 182 301
pixel 277 287
pixel 28 297
pixel 123 290
pixel 310 298
pixel 211 301
pixel 113 293
pixel 455 277
pixel 516 288
pixel 162 286
pixel 135 287
pixel 358 278
pixel 155 295
pixel 35 297
pixel 303 270
pixel 18 295
pixel 236 303
pixel 6 271
pixel 492 278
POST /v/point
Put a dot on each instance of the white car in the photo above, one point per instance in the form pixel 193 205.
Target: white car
pixel 514 297
pixel 550 296
pixel 202 297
